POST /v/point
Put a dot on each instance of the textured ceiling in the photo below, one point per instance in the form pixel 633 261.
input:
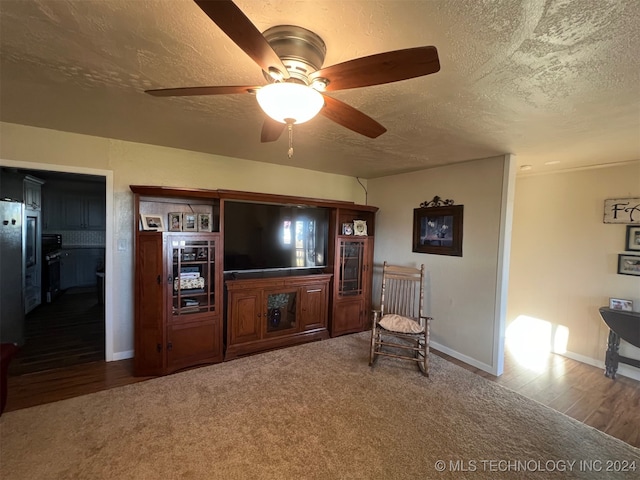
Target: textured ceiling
pixel 549 81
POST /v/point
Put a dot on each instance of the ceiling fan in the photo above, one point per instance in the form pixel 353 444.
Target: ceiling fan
pixel 291 59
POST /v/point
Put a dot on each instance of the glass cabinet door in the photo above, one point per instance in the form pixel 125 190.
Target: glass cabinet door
pixel 281 310
pixel 350 274
pixel 193 264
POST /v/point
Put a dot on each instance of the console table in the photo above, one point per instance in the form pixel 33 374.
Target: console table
pixel 622 325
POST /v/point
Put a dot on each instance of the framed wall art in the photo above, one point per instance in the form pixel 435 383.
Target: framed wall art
pixel 622 210
pixel 438 230
pixel 152 222
pixel 633 238
pixel 629 264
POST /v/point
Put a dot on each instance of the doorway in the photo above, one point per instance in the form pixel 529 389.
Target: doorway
pixel 68 328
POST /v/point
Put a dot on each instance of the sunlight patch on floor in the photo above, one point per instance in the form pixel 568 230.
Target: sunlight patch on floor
pixel 530 340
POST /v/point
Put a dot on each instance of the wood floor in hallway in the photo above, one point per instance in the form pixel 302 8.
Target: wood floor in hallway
pixel 66 332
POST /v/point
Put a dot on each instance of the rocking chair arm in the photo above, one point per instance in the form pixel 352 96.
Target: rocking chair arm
pixel 424 320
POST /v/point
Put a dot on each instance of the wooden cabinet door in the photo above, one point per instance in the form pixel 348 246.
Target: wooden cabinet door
pixel 51 209
pixel 68 269
pixel 72 211
pixel 313 311
pixel 94 213
pixel 82 212
pixel 32 194
pixel 347 316
pixel 88 260
pixel 151 306
pixel 245 313
pixel 192 343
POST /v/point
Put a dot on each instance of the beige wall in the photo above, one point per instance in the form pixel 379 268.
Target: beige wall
pixel 462 293
pixel 127 163
pixel 563 262
pixel 564 258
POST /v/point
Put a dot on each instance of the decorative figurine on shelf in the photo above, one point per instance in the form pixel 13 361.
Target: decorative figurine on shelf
pixel 274 317
pixel 274 303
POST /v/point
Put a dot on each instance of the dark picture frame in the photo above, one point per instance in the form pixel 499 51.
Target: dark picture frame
pixel 438 230
pixel 633 238
pixel 629 264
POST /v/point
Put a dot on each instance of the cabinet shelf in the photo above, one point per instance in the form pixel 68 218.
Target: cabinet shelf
pixel 183 310
pixel 189 293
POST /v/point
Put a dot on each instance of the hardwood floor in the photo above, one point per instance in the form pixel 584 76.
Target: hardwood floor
pixel 573 388
pixel 53 385
pixel 576 389
pixel 66 332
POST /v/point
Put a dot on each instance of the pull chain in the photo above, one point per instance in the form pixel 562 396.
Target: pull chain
pixel 290 128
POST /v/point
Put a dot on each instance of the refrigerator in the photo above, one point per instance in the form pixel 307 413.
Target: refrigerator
pixel 11 272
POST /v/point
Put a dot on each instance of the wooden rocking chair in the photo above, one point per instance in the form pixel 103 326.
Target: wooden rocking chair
pixel 400 317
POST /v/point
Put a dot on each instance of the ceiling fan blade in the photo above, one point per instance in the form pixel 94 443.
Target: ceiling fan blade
pixel 271 130
pixel 351 118
pixel 239 28
pixel 192 91
pixel 381 68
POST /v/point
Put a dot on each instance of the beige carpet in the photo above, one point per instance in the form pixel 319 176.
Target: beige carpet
pixel 316 411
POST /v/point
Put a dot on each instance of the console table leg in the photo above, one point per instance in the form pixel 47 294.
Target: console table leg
pixel 611 358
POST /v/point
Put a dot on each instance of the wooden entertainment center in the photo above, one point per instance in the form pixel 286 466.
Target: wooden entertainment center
pixel 191 310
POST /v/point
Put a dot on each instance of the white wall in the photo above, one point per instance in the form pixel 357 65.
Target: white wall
pixel 463 294
pixel 564 258
pixel 127 163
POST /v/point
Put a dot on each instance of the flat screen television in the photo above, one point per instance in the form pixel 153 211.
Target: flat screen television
pixel 271 237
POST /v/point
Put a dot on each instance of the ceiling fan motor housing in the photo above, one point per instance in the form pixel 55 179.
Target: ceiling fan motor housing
pixel 300 50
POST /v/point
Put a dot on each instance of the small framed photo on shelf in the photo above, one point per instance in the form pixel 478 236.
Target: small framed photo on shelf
pixel 621 304
pixel 152 222
pixel 189 222
pixel 347 229
pixel 633 238
pixel 204 222
pixel 175 222
pixel 629 264
pixel 360 227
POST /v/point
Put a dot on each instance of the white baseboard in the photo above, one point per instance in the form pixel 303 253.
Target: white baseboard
pixel 623 369
pixel 463 358
pixel 122 355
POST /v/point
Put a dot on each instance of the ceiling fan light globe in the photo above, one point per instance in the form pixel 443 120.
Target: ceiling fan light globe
pixel 290 101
